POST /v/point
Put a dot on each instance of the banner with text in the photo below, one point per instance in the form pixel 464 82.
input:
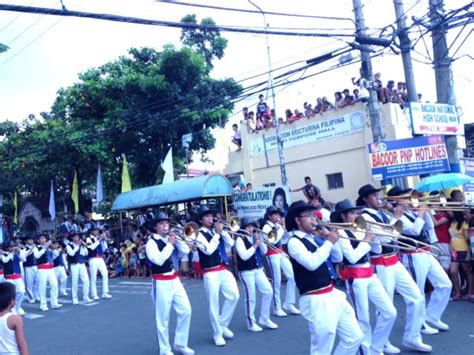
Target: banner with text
pixel 407 157
pixel 313 132
pixel 252 204
pixel 467 167
pixel 435 119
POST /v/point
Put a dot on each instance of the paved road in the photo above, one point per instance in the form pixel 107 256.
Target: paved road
pixel 125 325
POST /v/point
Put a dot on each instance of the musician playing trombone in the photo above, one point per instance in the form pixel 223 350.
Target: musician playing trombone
pixel 279 263
pixel 391 272
pixel 362 284
pixel 168 292
pixel 421 264
pixel 250 250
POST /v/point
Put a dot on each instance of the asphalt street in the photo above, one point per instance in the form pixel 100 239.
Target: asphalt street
pixel 125 325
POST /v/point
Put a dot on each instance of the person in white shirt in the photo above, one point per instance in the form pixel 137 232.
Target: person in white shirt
pixel 250 250
pixel 362 284
pixel 279 263
pixel 76 257
pixel 11 260
pixel 97 245
pixel 60 267
pixel 324 307
pixel 168 292
pixel 31 270
pixel 211 244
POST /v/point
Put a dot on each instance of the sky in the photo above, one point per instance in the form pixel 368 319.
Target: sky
pixel 47 53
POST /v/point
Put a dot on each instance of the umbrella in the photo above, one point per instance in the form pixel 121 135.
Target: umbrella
pixel 443 182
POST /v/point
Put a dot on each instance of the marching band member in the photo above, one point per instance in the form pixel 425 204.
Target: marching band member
pixel 422 265
pixel 392 273
pixel 168 291
pixel 44 256
pixel 60 267
pixel 96 263
pixel 362 284
pixel 31 270
pixel 2 274
pixel 249 251
pixel 279 262
pixel 12 271
pixel 76 257
pixel 324 307
pixel 213 259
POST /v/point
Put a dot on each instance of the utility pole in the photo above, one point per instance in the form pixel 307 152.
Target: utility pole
pixel 443 74
pixel 405 47
pixel 374 106
pixel 281 157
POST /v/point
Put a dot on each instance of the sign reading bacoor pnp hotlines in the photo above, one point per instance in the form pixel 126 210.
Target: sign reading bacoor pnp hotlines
pixel 407 157
pixel 435 119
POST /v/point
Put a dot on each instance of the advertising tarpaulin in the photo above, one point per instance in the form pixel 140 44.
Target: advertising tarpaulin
pixel 408 157
pixel 428 118
pixel 467 167
pixel 253 203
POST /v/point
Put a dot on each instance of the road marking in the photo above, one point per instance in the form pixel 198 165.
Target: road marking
pixel 147 283
pixel 33 315
pixel 132 292
pixel 89 304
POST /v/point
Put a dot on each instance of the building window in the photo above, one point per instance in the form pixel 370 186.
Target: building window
pixel 335 181
pixel 269 184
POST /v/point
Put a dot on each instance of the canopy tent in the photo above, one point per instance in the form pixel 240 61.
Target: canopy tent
pixel 203 187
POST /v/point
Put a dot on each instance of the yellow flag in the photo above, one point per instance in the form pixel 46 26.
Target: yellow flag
pixel 126 184
pixel 75 193
pixel 15 203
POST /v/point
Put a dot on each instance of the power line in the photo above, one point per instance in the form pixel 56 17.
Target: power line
pixel 142 21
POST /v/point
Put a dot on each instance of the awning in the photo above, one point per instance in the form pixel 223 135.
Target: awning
pixel 203 187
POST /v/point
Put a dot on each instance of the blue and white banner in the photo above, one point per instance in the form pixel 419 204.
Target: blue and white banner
pixel 467 167
pixel 428 118
pixel 408 157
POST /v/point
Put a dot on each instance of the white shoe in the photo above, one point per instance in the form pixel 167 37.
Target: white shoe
pixel 227 333
pixel 279 313
pixel 95 298
pixel 56 306
pixel 106 295
pixel 87 300
pixel 391 349
pixel 44 308
pixel 65 294
pixel 180 349
pixel 268 323
pixel 427 330
pixel 439 324
pixel 31 301
pixel 417 345
pixel 255 328
pixel 75 302
pixel 291 309
pixel 219 341
pixel 21 311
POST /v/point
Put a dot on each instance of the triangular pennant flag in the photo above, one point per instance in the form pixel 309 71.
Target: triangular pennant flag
pixel 75 193
pixel 126 184
pixel 167 166
pixel 99 193
pixel 52 203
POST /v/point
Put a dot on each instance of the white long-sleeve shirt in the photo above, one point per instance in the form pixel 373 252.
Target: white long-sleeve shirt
pixel 349 252
pixel 245 253
pixel 210 247
pixel 92 242
pixel 303 256
pixel 9 256
pixel 159 257
pixel 71 249
pixel 38 252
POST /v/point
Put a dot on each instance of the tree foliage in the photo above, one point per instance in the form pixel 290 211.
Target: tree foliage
pixel 140 104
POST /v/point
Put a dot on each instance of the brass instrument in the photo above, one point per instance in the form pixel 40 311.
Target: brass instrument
pixel 441 204
pixel 187 233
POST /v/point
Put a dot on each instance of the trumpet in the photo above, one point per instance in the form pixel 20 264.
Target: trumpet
pixel 187 233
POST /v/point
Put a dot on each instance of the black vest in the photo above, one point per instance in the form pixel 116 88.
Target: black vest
pixel 92 253
pixel 30 260
pixel 250 263
pixel 57 261
pixel 355 244
pixel 208 261
pixel 422 237
pixel 307 280
pixel 43 259
pixel 9 268
pixel 167 265
pixel 76 258
pixel 386 250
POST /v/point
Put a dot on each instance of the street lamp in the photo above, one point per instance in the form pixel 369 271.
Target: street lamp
pixel 281 158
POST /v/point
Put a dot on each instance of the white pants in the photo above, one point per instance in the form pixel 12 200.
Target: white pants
pixel 396 277
pixel 279 263
pixel 169 294
pixel 20 292
pixel 45 277
pixel 61 276
pixel 98 264
pixel 422 266
pixel 362 290
pixel 31 282
pixel 329 314
pixel 2 277
pixel 251 280
pixel 443 255
pixel 79 271
pixel 214 282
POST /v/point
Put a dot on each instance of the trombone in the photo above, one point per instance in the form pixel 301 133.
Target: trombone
pixel 187 233
pixel 442 203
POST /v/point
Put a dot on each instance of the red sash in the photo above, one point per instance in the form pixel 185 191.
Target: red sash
pixel 162 277
pixel 214 269
pixel 45 266
pixel 351 273
pixel 321 291
pixel 384 260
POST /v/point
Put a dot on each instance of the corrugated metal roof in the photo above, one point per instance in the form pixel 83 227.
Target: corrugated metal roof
pixel 207 186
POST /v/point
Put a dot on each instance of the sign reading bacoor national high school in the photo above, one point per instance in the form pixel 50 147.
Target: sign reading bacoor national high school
pixel 435 119
pixel 252 204
pixel 406 157
pixel 315 131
